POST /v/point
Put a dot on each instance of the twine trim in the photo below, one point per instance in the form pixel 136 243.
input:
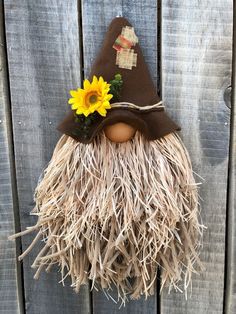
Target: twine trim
pixel 133 106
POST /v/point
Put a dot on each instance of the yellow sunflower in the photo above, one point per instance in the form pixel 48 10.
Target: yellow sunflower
pixel 93 97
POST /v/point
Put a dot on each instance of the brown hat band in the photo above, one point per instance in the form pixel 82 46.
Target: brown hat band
pixel 130 105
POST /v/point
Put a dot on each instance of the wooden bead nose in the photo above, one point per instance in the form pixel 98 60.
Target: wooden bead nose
pixel 119 132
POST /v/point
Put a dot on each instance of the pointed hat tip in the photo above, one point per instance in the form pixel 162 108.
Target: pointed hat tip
pixel 119 21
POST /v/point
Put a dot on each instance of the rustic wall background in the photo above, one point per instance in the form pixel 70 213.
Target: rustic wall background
pixel 46 49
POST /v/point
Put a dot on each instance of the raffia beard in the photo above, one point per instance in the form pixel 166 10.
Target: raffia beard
pixel 114 212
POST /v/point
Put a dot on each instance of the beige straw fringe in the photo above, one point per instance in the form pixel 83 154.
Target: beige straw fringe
pixel 114 213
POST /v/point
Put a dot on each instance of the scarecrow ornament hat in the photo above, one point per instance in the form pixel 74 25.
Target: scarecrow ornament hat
pixel 118 200
pixel 137 103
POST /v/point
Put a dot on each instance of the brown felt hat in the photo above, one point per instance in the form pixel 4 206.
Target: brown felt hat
pixel 137 89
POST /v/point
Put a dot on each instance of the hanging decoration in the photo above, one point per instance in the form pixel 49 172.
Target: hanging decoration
pixel 118 200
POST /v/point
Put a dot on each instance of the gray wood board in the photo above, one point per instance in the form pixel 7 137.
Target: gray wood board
pixel 96 16
pixel 11 297
pixel 44 64
pixel 196 69
pixel 230 291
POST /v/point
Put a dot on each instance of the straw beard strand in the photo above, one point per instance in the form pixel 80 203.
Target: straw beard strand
pixel 114 213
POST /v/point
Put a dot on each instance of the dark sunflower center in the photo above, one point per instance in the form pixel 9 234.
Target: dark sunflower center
pixel 93 99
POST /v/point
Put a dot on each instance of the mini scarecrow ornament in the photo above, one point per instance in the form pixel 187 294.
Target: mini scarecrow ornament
pixel 118 199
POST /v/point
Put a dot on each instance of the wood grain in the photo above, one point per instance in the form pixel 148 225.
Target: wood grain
pixel 96 16
pixel 10 283
pixel 196 69
pixel 230 288
pixel 44 64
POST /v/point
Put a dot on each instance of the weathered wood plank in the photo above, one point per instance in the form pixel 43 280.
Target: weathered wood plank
pixel 196 66
pixel 44 64
pixel 230 289
pixel 10 283
pixel 96 17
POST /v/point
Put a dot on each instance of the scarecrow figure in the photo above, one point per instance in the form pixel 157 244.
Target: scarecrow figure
pixel 118 199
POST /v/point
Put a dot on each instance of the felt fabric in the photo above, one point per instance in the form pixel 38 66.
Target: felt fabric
pixel 137 88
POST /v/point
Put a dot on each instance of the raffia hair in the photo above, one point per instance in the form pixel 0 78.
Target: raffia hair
pixel 110 212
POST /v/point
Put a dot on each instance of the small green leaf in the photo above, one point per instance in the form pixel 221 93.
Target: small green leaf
pixel 116 85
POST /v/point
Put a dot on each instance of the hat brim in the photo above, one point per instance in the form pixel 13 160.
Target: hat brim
pixel 153 124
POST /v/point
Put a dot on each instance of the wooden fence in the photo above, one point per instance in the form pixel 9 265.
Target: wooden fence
pixel 47 47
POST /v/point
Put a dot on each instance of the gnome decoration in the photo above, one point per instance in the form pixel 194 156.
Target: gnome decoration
pixel 118 199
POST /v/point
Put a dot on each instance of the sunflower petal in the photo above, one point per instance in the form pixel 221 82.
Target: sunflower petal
pixel 79 110
pixel 73 93
pixel 86 84
pixel 108 97
pixel 102 111
pixel 95 80
pixel 71 101
pixel 106 105
pixel 80 92
pixel 86 112
pixel 74 106
pixel 101 80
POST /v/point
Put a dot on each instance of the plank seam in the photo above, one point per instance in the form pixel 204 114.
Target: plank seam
pixel 159 84
pixel 229 250
pixel 81 39
pixel 11 151
pixel 159 66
